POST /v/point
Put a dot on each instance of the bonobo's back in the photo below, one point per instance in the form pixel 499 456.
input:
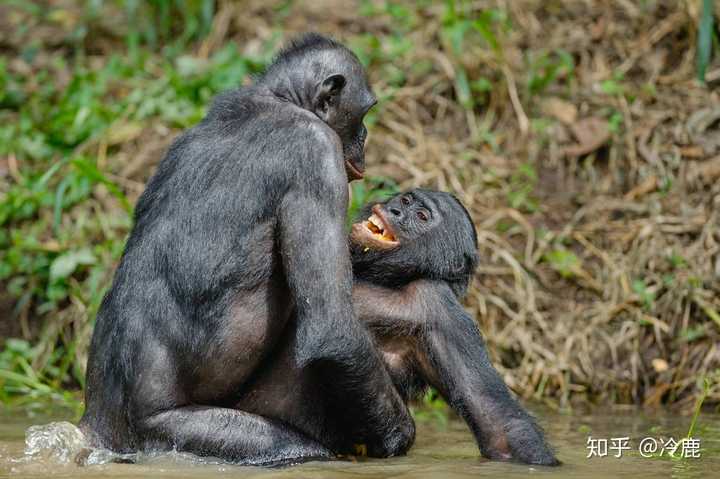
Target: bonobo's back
pixel 202 232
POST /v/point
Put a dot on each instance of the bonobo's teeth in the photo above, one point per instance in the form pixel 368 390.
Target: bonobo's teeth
pixel 376 221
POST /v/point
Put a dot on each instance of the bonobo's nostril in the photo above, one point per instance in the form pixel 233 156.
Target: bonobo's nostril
pixel 395 211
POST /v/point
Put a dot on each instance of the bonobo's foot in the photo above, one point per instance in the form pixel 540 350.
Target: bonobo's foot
pixel 524 442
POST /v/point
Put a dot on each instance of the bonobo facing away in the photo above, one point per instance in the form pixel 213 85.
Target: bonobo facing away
pixel 242 225
pixel 413 258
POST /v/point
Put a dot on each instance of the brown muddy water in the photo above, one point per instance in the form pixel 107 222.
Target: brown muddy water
pixel 444 449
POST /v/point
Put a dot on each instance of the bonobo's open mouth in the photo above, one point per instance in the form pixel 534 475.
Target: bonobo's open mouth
pixel 375 232
pixel 354 172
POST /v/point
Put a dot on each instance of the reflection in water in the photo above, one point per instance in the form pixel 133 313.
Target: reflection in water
pixel 442 451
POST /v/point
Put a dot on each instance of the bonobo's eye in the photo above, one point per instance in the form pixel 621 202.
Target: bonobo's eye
pixel 405 200
pixel 422 215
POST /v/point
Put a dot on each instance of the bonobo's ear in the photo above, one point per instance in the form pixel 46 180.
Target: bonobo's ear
pixel 326 92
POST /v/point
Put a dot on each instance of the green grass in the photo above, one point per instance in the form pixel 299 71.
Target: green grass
pixel 24 387
pixel 705 39
pixel 63 216
pixel 431 409
pixel 698 406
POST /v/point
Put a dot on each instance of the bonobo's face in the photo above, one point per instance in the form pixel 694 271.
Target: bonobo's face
pixel 343 99
pixel 402 219
pixel 352 132
pixel 419 233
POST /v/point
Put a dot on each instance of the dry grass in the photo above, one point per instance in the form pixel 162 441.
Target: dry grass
pixel 594 188
pixel 630 215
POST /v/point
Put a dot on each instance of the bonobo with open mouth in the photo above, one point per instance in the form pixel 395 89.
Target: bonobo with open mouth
pixel 425 241
pixel 413 259
pixel 375 231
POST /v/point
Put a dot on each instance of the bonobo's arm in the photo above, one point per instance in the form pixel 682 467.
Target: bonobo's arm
pixel 450 354
pixel 329 336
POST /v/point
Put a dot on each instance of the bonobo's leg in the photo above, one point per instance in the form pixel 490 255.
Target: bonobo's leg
pixel 164 416
pixel 229 434
pixel 450 354
pixel 298 395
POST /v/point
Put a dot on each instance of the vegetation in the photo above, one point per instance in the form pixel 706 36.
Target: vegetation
pixel 576 132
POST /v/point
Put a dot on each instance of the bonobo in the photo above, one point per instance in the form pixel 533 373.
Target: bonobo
pixel 242 224
pixel 413 258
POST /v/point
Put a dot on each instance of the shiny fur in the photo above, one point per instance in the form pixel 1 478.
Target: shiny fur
pixel 240 233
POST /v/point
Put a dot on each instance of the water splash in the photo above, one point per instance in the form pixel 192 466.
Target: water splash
pixel 63 443
pixel 56 441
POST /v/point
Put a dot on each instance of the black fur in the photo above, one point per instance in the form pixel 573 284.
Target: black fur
pixel 240 233
pixel 423 333
pixel 306 44
pixel 409 296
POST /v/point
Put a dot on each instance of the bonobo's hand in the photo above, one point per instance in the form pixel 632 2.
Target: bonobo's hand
pixel 395 433
pixel 523 442
pixel 396 442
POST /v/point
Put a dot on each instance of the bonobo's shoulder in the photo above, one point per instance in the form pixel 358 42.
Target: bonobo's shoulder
pixel 248 103
pixel 296 126
pixel 304 133
pixel 301 125
pixel 230 105
pixel 313 129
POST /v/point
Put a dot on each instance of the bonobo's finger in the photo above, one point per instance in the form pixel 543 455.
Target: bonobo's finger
pixel 396 442
pixel 526 443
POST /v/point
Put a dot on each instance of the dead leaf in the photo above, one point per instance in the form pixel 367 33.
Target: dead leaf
pixel 692 151
pixel 654 396
pixel 50 245
pixel 124 132
pixel 591 133
pixel 648 185
pixel 659 365
pixel 13 168
pixel 706 172
pixel 702 127
pixel 561 110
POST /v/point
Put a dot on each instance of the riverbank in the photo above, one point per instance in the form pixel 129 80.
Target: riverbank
pixel 576 132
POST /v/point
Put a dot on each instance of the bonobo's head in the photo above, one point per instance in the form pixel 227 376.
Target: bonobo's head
pixel 324 77
pixel 418 234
